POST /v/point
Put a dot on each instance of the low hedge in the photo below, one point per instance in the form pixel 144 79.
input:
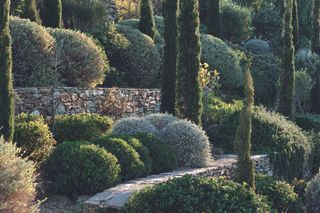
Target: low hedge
pixel 83 126
pixel 272 134
pixel 189 194
pixel 81 168
pixel 33 136
pixel 130 161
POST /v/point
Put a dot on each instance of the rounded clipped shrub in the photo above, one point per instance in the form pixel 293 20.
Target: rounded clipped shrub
pixel 189 143
pixel 130 161
pixel 162 156
pixel 313 194
pixel 191 194
pixel 141 149
pixel 221 57
pixel 280 195
pixel 18 181
pixel 160 121
pixel 236 22
pixel 272 134
pixel 266 21
pixel 32 53
pixel 82 126
pixel 257 46
pixel 266 69
pixel 140 61
pixel 81 168
pixel 133 125
pixel 80 61
pixel 33 136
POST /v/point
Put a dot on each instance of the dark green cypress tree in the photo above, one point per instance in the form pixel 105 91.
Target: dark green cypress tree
pixel 245 166
pixel 30 11
pixel 170 9
pixel 315 96
pixel 6 88
pixel 287 75
pixel 213 17
pixel 188 90
pixel 146 23
pixel 52 14
pixel 316 27
pixel 295 24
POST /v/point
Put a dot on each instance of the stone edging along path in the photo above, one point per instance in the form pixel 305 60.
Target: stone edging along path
pixel 117 196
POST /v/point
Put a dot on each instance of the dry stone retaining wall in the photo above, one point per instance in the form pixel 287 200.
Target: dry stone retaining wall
pixel 115 102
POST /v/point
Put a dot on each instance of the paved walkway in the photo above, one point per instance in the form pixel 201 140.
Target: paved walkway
pixel 117 196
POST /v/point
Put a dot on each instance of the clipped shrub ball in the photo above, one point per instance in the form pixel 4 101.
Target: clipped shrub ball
pixel 141 149
pixel 191 194
pixel 81 168
pixel 80 62
pixel 257 46
pixel 236 22
pixel 266 69
pixel 221 57
pixel 313 194
pixel 82 126
pixel 160 121
pixel 162 156
pixel 130 161
pixel 141 61
pixel 272 134
pixel 133 125
pixel 189 143
pixel 33 136
pixel 18 181
pixel 32 54
pixel 280 195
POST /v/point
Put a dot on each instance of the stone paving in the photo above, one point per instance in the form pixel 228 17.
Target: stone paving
pixel 117 196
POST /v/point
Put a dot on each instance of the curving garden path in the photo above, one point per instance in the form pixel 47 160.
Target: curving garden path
pixel 117 196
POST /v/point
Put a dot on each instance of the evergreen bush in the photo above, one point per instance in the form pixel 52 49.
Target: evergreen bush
pixel 18 181
pixel 190 194
pixel 130 161
pixel 34 138
pixel 81 168
pixel 160 121
pixel 189 143
pixel 280 195
pixel 82 126
pixel 222 58
pixel 80 61
pixel 308 122
pixel 146 23
pixel 313 194
pixel 236 22
pixel 32 54
pixel 163 158
pixel 272 134
pixel 52 13
pixel 133 125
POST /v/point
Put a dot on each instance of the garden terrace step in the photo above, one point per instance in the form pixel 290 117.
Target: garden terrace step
pixel 117 196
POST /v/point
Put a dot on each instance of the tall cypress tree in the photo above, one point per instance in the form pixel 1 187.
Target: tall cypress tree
pixel 316 27
pixel 213 17
pixel 146 23
pixel 295 24
pixel 315 96
pixel 287 75
pixel 30 11
pixel 170 8
pixel 245 165
pixel 188 90
pixel 52 14
pixel 6 88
